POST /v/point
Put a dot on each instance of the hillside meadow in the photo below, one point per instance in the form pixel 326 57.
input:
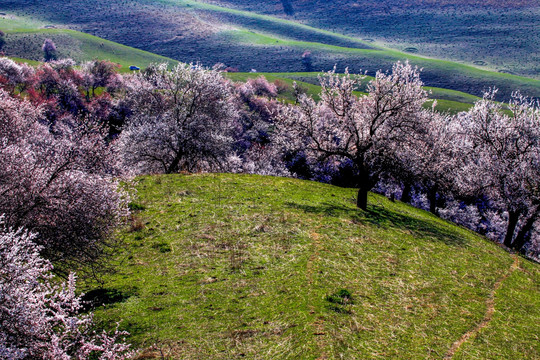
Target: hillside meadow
pixel 198 264
pixel 439 29
pixel 228 266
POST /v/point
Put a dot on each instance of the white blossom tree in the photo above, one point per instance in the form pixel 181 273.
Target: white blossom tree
pixel 364 129
pixel 15 76
pixel 183 120
pixel 503 161
pixel 429 159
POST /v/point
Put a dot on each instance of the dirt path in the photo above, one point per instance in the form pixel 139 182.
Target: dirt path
pixel 489 312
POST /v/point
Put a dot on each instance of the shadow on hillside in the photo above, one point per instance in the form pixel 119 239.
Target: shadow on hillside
pixel 105 296
pixel 381 217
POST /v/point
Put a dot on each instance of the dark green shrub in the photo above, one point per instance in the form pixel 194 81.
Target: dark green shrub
pixel 342 297
pixel 162 247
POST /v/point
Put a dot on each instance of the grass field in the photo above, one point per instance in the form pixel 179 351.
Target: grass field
pixel 228 266
pixel 195 31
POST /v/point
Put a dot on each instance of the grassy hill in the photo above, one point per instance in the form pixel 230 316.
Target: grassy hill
pixel 242 266
pixel 25 38
pixel 192 31
pixel 488 34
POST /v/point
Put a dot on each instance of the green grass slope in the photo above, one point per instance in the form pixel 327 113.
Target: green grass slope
pixel 242 266
pixel 25 38
pixel 192 31
pixel 488 34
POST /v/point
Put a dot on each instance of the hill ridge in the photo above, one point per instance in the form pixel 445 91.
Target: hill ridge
pixel 192 31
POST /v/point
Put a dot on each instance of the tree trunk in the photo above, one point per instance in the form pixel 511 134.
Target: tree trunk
pixel 521 237
pixel 173 167
pixel 432 198
pixel 406 194
pixel 365 184
pixel 513 217
pixel 361 201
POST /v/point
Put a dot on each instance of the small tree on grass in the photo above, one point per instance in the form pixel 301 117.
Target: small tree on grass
pixel 307 60
pixel 49 50
pixel 366 130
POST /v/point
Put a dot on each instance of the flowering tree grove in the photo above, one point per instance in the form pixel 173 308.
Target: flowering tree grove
pixel 62 143
pixel 503 161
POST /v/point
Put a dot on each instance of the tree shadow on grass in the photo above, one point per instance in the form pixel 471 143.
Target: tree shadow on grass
pixel 105 296
pixel 382 217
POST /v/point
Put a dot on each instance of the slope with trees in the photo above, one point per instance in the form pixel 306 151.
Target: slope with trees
pixel 67 134
pixel 227 266
pixel 60 203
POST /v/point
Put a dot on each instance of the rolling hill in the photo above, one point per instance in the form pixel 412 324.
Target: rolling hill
pixel 25 38
pixel 489 34
pixel 226 266
pixel 192 31
pixel 447 100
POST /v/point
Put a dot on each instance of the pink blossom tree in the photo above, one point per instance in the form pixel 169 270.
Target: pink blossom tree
pixel 99 73
pixel 38 316
pixel 364 129
pixel 57 180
